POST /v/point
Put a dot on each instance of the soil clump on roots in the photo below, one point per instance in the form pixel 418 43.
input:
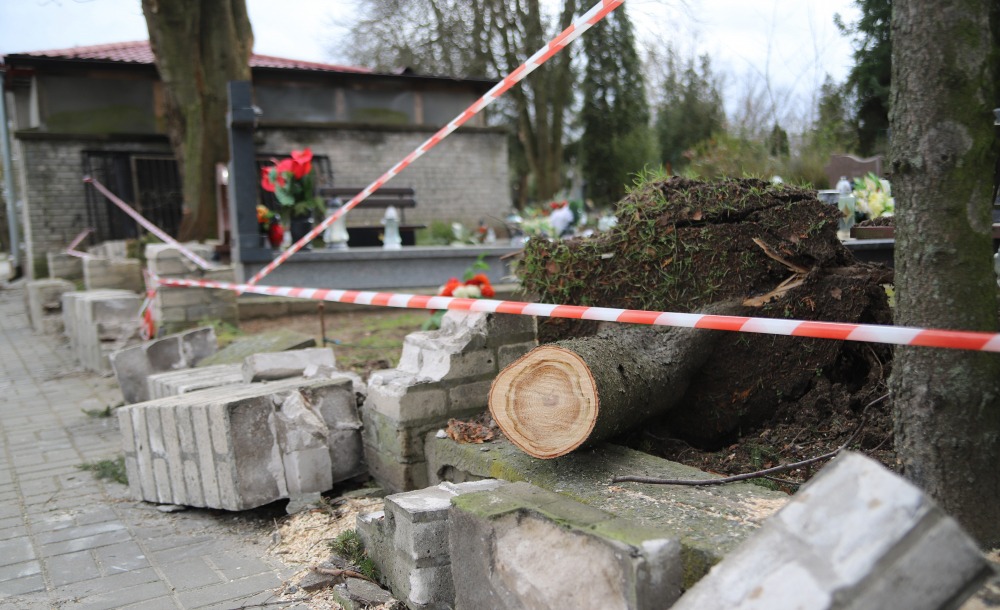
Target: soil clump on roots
pixel 683 245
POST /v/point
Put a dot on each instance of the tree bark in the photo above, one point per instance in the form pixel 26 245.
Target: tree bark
pixel 943 149
pixel 559 396
pixel 199 47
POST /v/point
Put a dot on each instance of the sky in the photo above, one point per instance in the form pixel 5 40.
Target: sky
pixel 787 45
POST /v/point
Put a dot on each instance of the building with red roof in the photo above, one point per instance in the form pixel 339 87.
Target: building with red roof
pixel 99 110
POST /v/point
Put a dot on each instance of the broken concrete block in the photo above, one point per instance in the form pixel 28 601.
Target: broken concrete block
pixel 175 383
pixel 134 365
pixel 99 322
pixel 357 594
pixel 856 536
pixel 268 366
pixel 408 541
pixel 165 260
pixel 43 302
pixel 274 341
pixel 441 374
pixel 64 266
pixel 240 448
pixel 113 273
pixel 519 546
pixel 709 522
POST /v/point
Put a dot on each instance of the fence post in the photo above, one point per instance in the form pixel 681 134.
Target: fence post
pixel 244 233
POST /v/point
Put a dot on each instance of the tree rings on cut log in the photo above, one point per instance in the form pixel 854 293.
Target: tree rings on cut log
pixel 546 402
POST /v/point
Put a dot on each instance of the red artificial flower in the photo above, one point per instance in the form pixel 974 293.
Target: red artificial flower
pixel 302 156
pixel 265 180
pixel 301 163
pixel 449 288
pixel 479 279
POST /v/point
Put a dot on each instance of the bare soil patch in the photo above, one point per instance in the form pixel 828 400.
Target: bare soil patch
pixel 363 340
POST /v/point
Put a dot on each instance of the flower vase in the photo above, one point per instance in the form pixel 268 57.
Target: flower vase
pixel 299 227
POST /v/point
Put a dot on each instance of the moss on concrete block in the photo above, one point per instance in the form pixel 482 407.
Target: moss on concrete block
pixel 275 341
pixel 708 521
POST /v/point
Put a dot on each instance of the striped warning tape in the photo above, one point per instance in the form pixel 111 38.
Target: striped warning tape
pixel 873 333
pixel 571 33
pixel 71 248
pixel 155 230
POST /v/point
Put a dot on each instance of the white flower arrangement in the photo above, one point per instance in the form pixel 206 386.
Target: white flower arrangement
pixel 874 196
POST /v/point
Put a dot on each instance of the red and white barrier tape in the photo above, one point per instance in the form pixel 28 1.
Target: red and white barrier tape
pixel 571 33
pixel 71 248
pixel 872 333
pixel 147 225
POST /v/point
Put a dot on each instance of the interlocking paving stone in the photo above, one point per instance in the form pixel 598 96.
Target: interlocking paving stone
pixel 96 548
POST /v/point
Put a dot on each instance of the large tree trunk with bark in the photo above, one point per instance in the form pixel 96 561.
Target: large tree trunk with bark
pixel 199 47
pixel 559 396
pixel 943 149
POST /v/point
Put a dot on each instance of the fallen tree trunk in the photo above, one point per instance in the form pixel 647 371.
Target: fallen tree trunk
pixel 558 396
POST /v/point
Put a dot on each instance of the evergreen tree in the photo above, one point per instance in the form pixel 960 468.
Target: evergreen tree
pixel 691 110
pixel 869 79
pixel 777 142
pixel 833 131
pixel 616 141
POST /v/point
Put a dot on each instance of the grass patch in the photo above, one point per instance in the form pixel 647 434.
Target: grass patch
pixel 105 412
pixel 113 470
pixel 348 545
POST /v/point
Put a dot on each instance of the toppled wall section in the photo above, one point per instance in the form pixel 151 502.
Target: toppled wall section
pixel 133 365
pixel 856 536
pixel 99 322
pixel 708 522
pixel 237 449
pixel 441 374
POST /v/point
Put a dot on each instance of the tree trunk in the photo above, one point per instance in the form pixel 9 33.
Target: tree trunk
pixel 943 148
pixel 199 47
pixel 558 396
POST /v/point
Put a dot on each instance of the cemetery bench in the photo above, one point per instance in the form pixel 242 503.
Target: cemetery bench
pixel 399 198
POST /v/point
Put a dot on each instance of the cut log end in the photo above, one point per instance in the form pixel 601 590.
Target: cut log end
pixel 546 402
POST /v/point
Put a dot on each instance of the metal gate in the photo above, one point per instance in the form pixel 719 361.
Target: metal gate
pixel 149 182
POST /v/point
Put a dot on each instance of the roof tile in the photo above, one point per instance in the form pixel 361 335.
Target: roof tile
pixel 139 52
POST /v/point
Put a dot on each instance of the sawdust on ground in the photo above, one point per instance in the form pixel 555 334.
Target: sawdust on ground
pixel 303 540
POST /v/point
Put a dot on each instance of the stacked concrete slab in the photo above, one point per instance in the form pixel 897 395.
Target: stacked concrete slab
pixel 175 383
pixel 133 365
pixel 113 273
pixel 177 309
pixel 99 322
pixel 236 449
pixel 43 302
pixel 441 374
pixel 857 536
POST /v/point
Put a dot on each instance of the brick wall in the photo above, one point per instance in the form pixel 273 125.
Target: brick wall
pixel 463 179
pixel 54 190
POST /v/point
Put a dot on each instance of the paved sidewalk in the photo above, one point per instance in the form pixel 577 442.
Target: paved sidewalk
pixel 68 540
